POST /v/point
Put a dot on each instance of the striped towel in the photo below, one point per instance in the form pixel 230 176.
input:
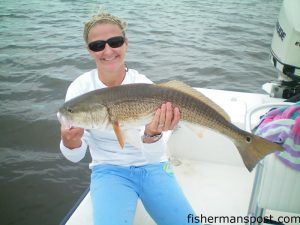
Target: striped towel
pixel 282 125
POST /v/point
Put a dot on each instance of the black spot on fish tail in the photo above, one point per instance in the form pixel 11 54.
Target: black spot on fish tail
pixel 255 148
pixel 248 139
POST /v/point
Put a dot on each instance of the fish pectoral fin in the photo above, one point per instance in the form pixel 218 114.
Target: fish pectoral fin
pixel 198 131
pixel 118 132
pixel 180 86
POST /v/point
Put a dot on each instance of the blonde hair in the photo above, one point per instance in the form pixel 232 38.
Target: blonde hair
pixel 103 17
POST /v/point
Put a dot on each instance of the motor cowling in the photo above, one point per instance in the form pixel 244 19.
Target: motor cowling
pixel 285 51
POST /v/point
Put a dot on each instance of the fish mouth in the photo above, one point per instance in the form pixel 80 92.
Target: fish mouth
pixel 63 120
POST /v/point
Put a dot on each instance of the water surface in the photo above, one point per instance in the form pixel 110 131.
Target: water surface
pixel 221 44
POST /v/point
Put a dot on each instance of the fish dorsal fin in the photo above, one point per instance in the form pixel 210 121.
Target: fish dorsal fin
pixel 180 86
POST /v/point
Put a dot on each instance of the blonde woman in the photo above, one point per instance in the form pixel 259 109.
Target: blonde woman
pixel 121 176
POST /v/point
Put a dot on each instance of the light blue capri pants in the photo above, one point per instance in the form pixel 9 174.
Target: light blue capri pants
pixel 116 189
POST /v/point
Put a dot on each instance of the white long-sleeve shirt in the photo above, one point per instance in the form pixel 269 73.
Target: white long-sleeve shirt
pixel 103 145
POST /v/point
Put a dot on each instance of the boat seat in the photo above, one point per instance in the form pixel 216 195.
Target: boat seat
pixel 276 186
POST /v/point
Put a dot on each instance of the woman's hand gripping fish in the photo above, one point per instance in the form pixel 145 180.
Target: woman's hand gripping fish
pixel 137 103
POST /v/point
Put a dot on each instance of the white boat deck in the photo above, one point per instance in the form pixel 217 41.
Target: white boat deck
pixel 216 189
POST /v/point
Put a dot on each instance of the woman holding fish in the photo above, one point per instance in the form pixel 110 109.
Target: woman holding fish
pixel 125 165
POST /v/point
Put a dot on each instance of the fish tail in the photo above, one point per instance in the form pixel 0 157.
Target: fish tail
pixel 255 148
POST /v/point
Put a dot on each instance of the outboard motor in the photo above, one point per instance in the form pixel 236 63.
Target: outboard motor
pixel 285 52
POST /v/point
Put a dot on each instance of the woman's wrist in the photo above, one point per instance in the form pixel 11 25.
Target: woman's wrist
pixel 72 144
pixel 151 138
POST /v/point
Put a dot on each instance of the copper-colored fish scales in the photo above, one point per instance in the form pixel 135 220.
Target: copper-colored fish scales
pixel 132 102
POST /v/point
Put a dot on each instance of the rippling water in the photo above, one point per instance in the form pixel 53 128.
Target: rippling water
pixel 221 44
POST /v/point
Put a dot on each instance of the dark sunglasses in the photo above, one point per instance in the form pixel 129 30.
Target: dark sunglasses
pixel 114 42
